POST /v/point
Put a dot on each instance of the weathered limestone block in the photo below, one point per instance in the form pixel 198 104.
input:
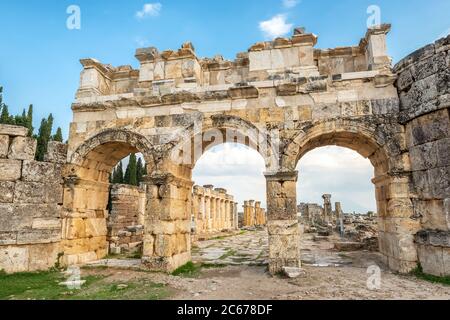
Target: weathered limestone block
pixel 43 256
pixel 434 252
pixel 6 191
pixel 434 214
pixel 8 238
pixel 399 251
pixel 10 170
pixel 38 236
pixel 38 193
pixel 13 131
pixel 4 146
pixel 56 152
pixel 22 148
pixel 14 259
pixel 34 171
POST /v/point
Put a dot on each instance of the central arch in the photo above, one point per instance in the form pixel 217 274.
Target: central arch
pixel 170 183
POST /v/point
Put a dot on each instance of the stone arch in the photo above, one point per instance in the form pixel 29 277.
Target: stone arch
pixel 212 131
pixel 111 146
pixel 86 191
pixel 376 140
pixel 382 143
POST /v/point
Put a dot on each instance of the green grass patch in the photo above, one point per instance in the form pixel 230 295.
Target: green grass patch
pixel 193 270
pixel 188 270
pixel 418 272
pixel 45 286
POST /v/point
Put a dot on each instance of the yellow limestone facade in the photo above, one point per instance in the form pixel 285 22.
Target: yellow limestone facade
pixel 282 98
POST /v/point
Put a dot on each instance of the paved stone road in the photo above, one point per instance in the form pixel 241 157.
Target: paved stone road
pixel 251 248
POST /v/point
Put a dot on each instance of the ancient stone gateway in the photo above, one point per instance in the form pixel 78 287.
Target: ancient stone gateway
pixel 283 98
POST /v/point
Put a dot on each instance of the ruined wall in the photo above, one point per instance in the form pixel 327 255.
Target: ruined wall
pixel 126 219
pixel 213 211
pixel 424 90
pixel 31 197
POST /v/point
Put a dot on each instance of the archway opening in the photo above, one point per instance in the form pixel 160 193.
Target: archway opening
pixel 87 196
pixel 126 208
pixel 229 207
pixel 394 211
pixel 337 207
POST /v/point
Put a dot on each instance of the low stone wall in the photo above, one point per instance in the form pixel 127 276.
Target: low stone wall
pixel 31 196
pixel 424 90
pixel 126 219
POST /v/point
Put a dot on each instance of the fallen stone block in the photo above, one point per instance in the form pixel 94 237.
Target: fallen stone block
pixel 293 272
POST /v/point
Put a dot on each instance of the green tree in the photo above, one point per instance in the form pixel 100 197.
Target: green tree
pixel 118 174
pixel 130 173
pixel 44 136
pixel 5 117
pixel 58 136
pixel 139 171
pixel 29 120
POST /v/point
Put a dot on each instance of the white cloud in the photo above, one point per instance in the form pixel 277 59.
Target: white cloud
pixel 288 4
pixel 275 27
pixel 149 9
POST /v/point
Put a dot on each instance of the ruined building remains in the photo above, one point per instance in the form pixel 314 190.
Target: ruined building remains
pixel 282 98
pixel 213 211
pixel 254 215
pixel 125 221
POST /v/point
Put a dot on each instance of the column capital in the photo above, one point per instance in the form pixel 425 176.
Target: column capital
pixel 282 176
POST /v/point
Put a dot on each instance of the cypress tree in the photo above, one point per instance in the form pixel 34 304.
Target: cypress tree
pixel 29 120
pixel 139 171
pixel 4 117
pixel 118 174
pixel 44 136
pixel 58 136
pixel 130 173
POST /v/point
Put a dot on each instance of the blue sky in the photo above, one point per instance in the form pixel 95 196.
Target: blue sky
pixel 39 56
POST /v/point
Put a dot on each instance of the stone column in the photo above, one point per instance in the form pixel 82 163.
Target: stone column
pixel 283 226
pixel 258 220
pixel 167 240
pixel 227 214
pixel 246 222
pixel 236 216
pixel 208 226
pixel 338 209
pixel 327 208
pixel 203 213
pixel 252 212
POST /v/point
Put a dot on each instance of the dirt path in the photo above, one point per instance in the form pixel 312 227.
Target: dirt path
pixel 328 274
